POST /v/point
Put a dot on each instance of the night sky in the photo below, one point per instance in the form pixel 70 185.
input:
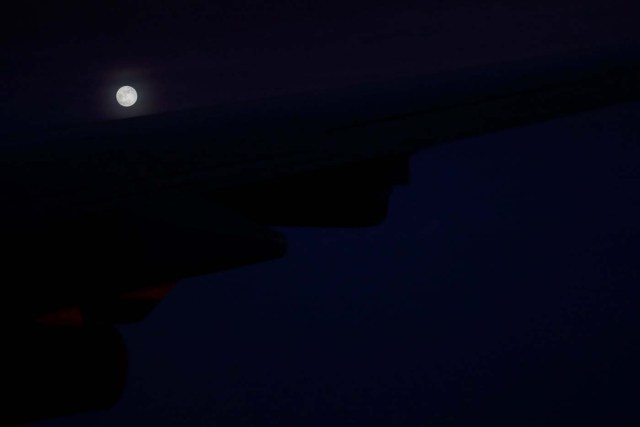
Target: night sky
pixel 501 290
pixel 63 64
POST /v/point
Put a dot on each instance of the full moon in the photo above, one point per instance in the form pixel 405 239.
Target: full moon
pixel 126 96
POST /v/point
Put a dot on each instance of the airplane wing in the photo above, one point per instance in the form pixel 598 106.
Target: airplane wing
pixel 110 207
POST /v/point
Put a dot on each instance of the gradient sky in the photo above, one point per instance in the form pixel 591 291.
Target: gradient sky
pixel 64 64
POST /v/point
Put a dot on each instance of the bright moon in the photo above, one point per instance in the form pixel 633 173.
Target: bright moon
pixel 126 96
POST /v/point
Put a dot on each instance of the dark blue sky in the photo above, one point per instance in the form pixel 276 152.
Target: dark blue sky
pixel 502 290
pixel 64 64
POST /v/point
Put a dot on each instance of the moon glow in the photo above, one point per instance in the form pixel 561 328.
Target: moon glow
pixel 126 96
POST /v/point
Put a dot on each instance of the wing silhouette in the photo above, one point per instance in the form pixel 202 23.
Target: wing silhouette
pixel 110 208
